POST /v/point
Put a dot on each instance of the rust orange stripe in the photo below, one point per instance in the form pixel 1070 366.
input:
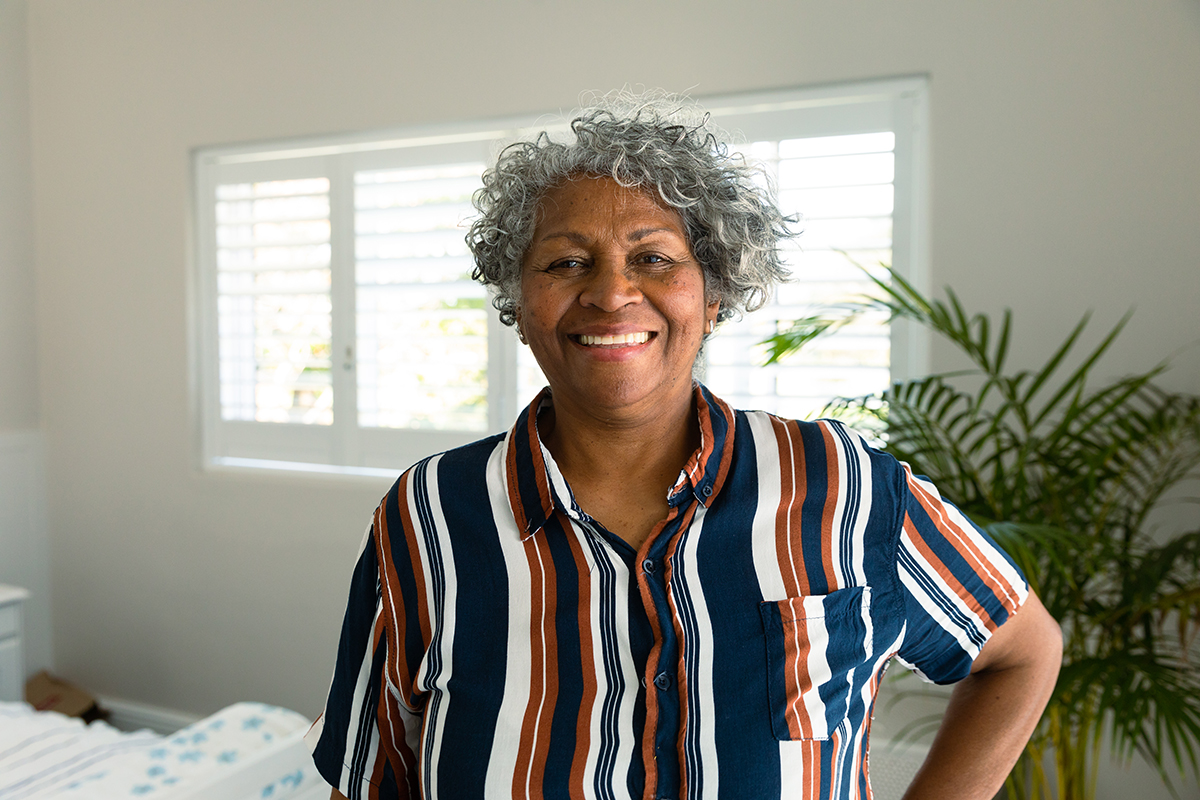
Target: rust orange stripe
pixel 946 575
pixel 514 488
pixel 800 495
pixel 648 758
pixel 965 546
pixel 385 753
pixel 537 671
pixel 787 516
pixel 539 710
pixel 831 499
pixel 397 666
pixel 727 453
pixel 539 465
pixel 799 680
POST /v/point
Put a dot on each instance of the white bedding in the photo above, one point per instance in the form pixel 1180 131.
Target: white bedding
pixel 248 750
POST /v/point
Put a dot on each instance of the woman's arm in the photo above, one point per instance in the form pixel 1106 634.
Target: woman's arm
pixel 993 711
pixel 334 794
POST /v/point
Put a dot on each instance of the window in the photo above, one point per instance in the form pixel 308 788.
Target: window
pixel 339 329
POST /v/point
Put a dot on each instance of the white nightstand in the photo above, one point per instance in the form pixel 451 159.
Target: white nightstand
pixel 12 657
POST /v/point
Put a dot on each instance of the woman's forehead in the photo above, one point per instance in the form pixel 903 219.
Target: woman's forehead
pixel 593 200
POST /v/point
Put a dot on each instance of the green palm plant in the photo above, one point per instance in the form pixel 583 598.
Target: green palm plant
pixel 1066 477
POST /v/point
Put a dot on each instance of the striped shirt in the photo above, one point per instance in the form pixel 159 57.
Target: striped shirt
pixel 499 642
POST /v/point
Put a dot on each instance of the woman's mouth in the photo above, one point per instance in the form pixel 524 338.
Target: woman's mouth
pixel 616 340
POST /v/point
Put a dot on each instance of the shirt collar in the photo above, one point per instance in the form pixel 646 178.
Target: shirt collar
pixel 536 487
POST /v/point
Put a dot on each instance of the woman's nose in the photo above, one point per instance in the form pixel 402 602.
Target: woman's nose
pixel 609 287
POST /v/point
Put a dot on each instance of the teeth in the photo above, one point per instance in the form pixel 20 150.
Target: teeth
pixel 620 339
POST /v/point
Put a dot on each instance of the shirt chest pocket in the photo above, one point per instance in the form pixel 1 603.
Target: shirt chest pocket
pixel 814 645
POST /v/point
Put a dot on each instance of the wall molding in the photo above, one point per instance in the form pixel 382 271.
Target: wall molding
pixel 128 715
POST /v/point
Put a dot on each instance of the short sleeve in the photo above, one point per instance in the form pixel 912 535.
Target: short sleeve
pixel 959 586
pixel 362 742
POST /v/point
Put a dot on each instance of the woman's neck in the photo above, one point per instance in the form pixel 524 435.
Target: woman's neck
pixel 621 467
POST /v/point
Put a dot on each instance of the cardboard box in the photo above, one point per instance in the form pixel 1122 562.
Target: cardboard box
pixel 47 693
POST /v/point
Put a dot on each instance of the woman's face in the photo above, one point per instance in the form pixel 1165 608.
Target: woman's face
pixel 612 300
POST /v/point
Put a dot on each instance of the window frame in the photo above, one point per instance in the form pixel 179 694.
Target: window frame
pixel 899 105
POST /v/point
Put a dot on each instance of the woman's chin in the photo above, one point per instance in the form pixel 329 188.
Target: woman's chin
pixel 619 395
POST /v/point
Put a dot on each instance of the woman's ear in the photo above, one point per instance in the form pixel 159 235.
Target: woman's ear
pixel 710 315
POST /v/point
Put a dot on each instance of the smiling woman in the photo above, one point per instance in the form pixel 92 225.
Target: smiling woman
pixel 614 308
pixel 639 591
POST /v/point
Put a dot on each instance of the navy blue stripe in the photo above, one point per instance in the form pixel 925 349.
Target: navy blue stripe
pixel 812 513
pixel 747 751
pixel 476 687
pixel 527 484
pixel 357 632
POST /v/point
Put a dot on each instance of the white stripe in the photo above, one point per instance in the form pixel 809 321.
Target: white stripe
pixel 701 722
pixel 442 629
pixel 841 738
pixel 517 668
pixel 600 652
pixel 792 775
pixel 361 686
pixel 600 551
pixel 957 528
pixel 762 530
pixel 536 735
pixel 858 533
pixel 819 671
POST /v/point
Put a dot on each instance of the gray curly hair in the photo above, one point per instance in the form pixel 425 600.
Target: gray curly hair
pixel 733 226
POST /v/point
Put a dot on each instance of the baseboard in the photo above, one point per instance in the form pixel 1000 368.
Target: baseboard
pixel 127 715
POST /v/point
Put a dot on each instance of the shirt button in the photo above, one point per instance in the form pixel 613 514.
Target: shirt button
pixel 706 491
pixel 662 680
pixel 648 566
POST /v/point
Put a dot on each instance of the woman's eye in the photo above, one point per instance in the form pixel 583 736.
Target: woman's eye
pixel 653 259
pixel 565 264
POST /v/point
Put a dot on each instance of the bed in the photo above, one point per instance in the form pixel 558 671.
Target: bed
pixel 243 752
pixel 248 750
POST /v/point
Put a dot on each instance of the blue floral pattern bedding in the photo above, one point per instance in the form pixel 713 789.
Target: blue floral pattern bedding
pixel 45 755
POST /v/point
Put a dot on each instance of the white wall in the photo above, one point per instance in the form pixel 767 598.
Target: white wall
pixel 24 544
pixel 18 342
pixel 1065 176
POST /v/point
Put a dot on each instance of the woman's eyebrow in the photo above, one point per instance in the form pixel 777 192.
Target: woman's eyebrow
pixel 579 238
pixel 642 233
